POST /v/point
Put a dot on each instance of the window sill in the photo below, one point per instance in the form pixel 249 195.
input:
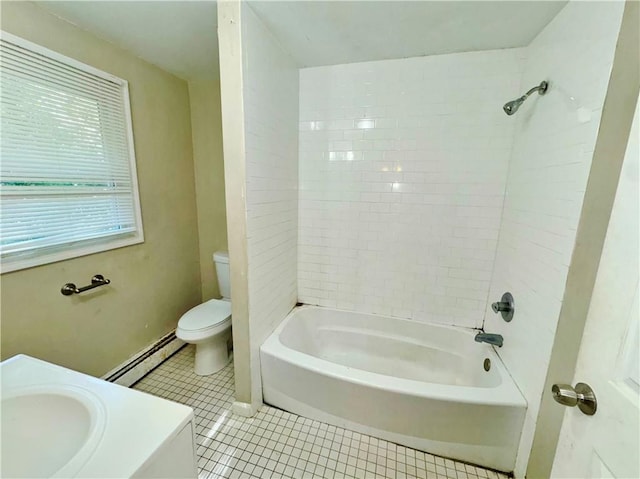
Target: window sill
pixel 18 263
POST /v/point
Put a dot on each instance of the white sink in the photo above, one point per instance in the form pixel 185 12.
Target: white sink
pixel 49 431
pixel 59 423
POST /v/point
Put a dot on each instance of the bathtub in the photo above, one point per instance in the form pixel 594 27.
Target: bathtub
pixel 416 384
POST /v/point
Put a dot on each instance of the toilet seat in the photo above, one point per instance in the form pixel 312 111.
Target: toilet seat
pixel 206 319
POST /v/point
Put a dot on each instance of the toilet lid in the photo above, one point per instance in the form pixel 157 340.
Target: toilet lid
pixel 207 314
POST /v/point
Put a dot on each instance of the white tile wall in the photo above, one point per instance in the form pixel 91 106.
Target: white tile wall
pixel 402 175
pixel 554 142
pixel 270 92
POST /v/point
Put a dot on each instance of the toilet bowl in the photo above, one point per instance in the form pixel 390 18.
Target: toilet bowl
pixel 208 325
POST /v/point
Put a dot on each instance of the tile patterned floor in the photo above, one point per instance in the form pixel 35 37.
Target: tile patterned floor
pixel 277 444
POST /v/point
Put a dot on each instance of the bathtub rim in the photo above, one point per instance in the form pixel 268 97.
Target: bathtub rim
pixel 506 394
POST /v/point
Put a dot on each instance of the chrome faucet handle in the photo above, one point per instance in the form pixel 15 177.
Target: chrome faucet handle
pixel 500 306
pixel 505 306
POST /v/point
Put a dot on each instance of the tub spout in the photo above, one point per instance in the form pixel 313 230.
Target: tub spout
pixel 494 339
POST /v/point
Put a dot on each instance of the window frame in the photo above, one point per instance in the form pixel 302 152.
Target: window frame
pixel 53 254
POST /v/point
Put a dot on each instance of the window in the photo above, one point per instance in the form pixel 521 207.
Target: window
pixel 68 184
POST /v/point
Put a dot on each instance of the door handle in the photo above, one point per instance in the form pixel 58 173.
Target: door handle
pixel 582 396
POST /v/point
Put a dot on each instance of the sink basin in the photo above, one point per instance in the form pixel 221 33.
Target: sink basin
pixel 59 423
pixel 48 431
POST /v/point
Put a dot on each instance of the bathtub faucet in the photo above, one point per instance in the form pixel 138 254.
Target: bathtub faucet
pixel 495 339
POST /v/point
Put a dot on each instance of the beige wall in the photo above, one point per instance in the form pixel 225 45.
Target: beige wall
pixel 152 283
pixel 206 130
pixel 259 84
pixel 232 105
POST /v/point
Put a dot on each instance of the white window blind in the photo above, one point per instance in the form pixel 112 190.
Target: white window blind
pixel 68 184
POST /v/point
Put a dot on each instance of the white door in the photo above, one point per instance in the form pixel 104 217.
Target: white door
pixel 607 444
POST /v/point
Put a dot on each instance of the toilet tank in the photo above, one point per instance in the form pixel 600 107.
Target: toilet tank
pixel 221 260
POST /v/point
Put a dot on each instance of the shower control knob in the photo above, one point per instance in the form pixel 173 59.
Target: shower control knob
pixel 505 306
pixel 582 396
pixel 500 306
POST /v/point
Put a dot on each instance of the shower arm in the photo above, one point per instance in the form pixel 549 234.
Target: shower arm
pixel 541 89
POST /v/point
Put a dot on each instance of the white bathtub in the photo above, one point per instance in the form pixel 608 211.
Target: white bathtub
pixel 416 384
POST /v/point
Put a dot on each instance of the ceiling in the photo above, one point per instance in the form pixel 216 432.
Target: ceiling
pixel 181 36
pixel 325 33
pixel 178 36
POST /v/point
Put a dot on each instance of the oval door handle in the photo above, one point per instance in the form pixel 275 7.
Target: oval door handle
pixel 582 396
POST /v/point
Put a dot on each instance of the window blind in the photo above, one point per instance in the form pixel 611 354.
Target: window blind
pixel 67 176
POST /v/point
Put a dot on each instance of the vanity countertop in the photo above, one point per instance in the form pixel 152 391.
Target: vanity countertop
pixel 105 429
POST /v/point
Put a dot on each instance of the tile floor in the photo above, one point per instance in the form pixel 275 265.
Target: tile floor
pixel 277 444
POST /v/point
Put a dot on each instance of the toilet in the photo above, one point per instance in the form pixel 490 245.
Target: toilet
pixel 208 325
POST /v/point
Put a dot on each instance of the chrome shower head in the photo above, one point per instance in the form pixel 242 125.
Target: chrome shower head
pixel 512 106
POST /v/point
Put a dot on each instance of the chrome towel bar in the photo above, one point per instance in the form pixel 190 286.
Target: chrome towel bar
pixel 70 288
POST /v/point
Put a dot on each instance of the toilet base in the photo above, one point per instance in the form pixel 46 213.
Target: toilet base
pixel 211 356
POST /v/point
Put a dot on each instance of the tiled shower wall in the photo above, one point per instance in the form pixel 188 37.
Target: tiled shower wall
pixel 402 175
pixel 554 142
pixel 270 92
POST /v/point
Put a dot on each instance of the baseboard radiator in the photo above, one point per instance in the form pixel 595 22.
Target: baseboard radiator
pixel 139 365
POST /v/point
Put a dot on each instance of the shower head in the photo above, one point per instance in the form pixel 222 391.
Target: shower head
pixel 512 106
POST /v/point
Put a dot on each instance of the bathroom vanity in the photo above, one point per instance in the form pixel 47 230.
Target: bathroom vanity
pixel 61 423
